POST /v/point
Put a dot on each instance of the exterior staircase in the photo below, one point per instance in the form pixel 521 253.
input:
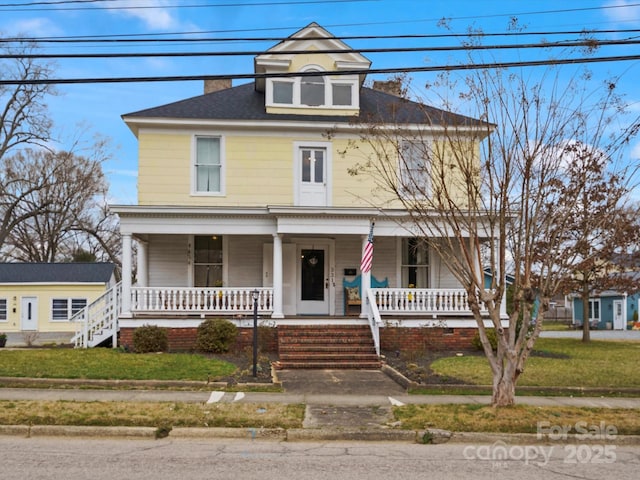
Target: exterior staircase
pixel 97 323
pixel 326 347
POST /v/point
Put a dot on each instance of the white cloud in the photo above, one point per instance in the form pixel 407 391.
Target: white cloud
pixel 32 27
pixel 157 17
pixel 627 11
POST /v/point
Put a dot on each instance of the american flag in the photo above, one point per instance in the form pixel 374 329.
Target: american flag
pixel 367 254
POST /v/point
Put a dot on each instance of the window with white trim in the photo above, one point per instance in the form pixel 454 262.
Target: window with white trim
pixel 3 309
pixel 64 308
pixel 319 91
pixel 208 165
pixel 283 91
pixel 415 263
pixel 414 168
pixel 594 310
pixel 312 90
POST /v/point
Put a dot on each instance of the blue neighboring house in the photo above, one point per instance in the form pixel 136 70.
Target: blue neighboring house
pixel 609 309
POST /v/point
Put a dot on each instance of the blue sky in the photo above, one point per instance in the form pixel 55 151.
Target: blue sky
pixel 98 107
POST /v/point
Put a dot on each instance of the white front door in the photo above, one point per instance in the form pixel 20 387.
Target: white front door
pixel 312 176
pixel 313 280
pixel 618 315
pixel 29 313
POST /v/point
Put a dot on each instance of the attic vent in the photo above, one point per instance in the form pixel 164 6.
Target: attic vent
pixel 393 87
pixel 215 85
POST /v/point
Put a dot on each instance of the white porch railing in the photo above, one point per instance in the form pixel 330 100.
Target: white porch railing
pixel 422 301
pixel 98 321
pixel 375 322
pixel 200 300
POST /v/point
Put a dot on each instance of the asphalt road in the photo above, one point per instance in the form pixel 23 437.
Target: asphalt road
pixel 98 459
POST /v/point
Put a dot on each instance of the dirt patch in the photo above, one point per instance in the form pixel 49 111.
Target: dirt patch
pixel 416 366
pixel 244 367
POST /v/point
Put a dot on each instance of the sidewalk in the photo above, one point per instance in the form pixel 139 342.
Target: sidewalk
pixel 340 405
pixel 311 387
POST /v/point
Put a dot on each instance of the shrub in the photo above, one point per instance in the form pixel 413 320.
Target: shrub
pixel 491 335
pixel 216 335
pixel 150 338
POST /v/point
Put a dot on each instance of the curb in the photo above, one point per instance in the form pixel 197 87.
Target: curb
pixel 27 382
pixel 429 436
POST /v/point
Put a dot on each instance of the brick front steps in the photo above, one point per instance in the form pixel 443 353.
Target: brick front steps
pixel 327 347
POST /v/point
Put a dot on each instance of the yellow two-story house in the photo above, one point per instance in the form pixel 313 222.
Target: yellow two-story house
pixel 245 193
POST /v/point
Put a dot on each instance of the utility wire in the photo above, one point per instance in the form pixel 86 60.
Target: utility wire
pixel 118 39
pixel 563 44
pixel 495 65
pixel 19 8
pixel 55 5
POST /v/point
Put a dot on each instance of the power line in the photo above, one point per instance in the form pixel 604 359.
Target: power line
pixel 563 44
pixel 117 39
pixel 55 5
pixel 181 78
pixel 20 8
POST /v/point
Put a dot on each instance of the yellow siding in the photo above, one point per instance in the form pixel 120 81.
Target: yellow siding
pixel 300 61
pixel 259 171
pixel 45 294
pixel 164 168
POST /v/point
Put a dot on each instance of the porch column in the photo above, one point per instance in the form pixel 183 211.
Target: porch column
pixel 277 276
pixel 143 276
pixel 126 275
pixel 365 283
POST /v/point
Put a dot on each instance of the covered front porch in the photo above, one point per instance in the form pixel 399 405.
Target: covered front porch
pixel 297 262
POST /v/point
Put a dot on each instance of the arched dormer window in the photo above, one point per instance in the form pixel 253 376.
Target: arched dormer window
pixel 317 91
pixel 312 89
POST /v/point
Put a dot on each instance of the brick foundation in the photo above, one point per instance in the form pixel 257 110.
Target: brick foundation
pixel 184 339
pixel 420 339
pixel 391 339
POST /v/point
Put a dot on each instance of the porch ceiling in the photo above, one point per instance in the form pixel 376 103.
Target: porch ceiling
pixel 269 220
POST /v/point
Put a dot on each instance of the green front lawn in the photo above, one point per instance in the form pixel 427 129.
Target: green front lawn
pixel 101 363
pixel 559 362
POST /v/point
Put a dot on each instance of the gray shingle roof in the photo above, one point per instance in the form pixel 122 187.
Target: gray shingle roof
pixel 56 272
pixel 245 103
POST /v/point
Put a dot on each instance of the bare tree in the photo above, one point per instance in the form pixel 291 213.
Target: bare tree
pixel 484 193
pixel 68 209
pixel 24 121
pixel 24 118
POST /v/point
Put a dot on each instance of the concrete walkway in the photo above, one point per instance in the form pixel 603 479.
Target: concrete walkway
pixel 310 387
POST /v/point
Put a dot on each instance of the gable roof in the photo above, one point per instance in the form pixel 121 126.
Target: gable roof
pixel 244 102
pixel 312 37
pixel 56 272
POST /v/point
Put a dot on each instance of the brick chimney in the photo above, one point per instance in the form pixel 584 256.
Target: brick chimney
pixel 215 85
pixel 393 87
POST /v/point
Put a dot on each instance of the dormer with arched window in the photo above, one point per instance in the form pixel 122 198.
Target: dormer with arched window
pixel 323 89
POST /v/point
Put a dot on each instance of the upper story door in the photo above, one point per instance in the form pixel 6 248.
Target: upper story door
pixel 313 164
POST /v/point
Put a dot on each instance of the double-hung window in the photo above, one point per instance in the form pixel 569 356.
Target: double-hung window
pixel 414 169
pixel 208 165
pixel 64 308
pixel 3 309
